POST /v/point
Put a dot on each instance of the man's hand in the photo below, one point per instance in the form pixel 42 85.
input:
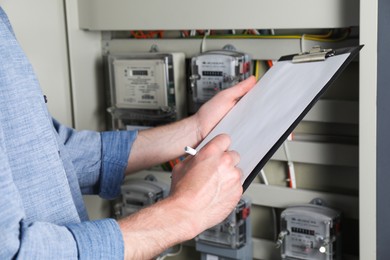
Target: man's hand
pixel 205 189
pixel 161 144
pixel 207 186
pixel 215 109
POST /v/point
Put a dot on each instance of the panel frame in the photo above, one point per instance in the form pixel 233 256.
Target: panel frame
pixel 164 15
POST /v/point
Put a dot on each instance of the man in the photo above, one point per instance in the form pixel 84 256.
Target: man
pixel 46 167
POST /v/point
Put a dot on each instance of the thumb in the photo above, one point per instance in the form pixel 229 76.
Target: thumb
pixel 218 144
pixel 242 87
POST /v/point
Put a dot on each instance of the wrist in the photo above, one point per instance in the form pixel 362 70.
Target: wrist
pixel 196 126
pixel 182 217
pixel 152 230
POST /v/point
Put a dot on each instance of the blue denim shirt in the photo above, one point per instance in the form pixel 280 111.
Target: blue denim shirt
pixel 46 167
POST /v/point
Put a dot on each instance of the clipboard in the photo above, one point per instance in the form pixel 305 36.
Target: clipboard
pixel 262 120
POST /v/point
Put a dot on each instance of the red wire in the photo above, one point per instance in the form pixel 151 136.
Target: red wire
pixel 289 177
pixel 290 183
pixel 148 35
pixel 171 164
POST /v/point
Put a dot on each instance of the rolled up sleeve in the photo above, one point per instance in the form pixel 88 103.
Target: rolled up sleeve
pixel 100 239
pixel 99 159
pixel 116 147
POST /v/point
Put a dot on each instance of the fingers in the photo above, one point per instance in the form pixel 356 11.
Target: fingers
pixel 247 84
pixel 242 88
pixel 217 145
pixel 231 158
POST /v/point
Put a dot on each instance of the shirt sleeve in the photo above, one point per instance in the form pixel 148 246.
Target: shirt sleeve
pixel 21 238
pixel 99 159
pixel 99 239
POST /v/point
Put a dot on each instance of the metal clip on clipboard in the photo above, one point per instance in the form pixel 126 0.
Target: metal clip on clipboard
pixel 315 54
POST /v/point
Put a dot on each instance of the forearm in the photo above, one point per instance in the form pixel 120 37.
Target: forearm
pixel 161 144
pixel 153 230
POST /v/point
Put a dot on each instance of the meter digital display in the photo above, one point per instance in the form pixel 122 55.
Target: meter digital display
pixel 140 73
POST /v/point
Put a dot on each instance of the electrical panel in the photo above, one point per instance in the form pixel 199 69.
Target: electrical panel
pixel 310 232
pixel 232 238
pixel 147 89
pixel 213 71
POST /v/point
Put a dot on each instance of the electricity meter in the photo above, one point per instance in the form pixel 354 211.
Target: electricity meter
pixel 140 193
pixel 147 88
pixel 310 232
pixel 214 71
pixel 230 239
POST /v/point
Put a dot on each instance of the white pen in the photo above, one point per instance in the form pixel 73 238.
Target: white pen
pixel 190 150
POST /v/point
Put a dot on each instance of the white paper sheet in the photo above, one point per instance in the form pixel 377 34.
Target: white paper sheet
pixel 264 114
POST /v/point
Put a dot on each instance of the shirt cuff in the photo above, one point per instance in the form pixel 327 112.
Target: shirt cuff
pixel 100 239
pixel 116 146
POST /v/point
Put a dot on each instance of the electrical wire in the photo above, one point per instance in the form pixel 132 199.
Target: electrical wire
pixel 264 177
pixel 257 70
pixel 312 37
pixel 184 34
pixel 147 34
pixel 290 164
pixel 203 43
pixel 246 34
pixel 302 43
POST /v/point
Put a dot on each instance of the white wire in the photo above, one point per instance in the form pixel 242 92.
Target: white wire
pixel 257 32
pixel 265 180
pixel 303 43
pixel 292 175
pixel 203 43
pixel 273 33
pixel 290 164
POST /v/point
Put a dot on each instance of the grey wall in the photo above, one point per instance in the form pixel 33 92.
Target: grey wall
pixel 383 131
